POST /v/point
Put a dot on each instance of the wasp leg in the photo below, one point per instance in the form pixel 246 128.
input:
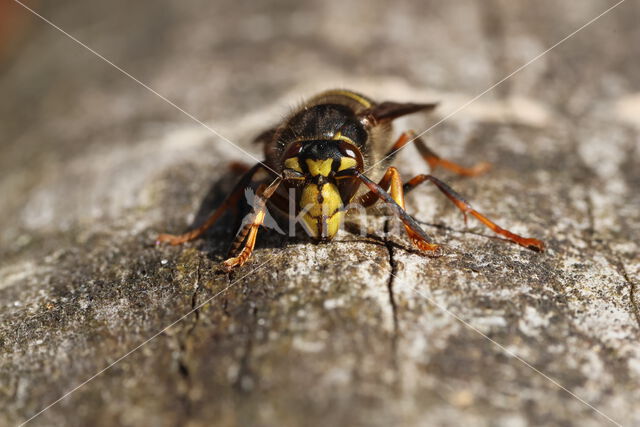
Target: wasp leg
pixel 250 230
pixel 433 159
pixel 403 139
pixel 391 179
pixel 247 235
pixel 466 208
pixel 229 202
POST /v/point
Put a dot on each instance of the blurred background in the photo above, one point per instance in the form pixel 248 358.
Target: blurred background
pixel 93 164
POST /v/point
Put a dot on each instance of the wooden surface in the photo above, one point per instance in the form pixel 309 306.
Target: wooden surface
pixel 361 331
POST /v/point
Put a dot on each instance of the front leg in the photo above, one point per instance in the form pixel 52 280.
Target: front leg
pixel 395 200
pixel 249 232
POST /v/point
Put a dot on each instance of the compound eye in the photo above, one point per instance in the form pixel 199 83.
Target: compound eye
pixel 347 149
pixel 293 150
pixel 350 153
pixel 350 157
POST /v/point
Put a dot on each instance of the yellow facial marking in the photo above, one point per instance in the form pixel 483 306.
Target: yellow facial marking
pixel 347 163
pixel 293 163
pixel 321 219
pixel 319 167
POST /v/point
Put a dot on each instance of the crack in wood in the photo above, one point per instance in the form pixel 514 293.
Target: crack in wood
pixel 183 366
pixel 633 288
pixel 393 266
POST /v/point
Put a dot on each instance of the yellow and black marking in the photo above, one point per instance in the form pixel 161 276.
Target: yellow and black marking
pixel 321 205
pixel 347 163
pixel 355 96
pixel 321 202
pixel 293 163
pixel 343 93
pixel 320 167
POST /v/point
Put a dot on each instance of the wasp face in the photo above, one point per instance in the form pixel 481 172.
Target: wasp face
pixel 321 197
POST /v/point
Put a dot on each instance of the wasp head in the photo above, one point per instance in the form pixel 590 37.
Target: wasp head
pixel 322 195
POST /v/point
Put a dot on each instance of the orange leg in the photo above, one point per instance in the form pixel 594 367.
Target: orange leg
pixel 391 180
pixel 231 201
pixel 466 208
pixel 433 159
pixel 251 230
pixel 402 140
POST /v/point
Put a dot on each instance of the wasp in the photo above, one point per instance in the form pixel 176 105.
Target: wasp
pixel 331 154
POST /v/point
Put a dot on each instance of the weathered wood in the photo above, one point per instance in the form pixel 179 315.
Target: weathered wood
pixel 362 330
